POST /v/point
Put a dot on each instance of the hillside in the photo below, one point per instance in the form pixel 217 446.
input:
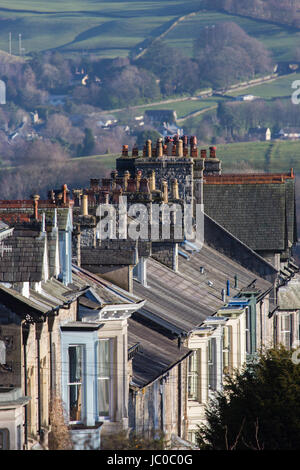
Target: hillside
pixel 111 29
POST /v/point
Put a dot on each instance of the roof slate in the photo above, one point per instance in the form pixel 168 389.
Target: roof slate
pixel 181 301
pixel 24 263
pixel 155 355
pixel 262 214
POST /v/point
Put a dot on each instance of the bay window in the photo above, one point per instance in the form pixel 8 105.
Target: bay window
pixel 104 377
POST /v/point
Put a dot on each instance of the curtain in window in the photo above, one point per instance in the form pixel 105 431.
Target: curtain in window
pixel 75 382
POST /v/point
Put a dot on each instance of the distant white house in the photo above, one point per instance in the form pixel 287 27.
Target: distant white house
pixel 247 98
pixel 261 133
pixel 2 92
pixel 291 133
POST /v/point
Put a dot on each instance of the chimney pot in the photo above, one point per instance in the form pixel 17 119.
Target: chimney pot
pixel 131 185
pixel 125 151
pixel 152 180
pixel 126 178
pixel 144 186
pixel 212 152
pixel 149 148
pixel 203 153
pixel 194 152
pixel 85 205
pixel 175 189
pixel 179 148
pixel 94 183
pixel 35 198
pixel 135 151
pixel 64 191
pixel 165 192
pixel 159 148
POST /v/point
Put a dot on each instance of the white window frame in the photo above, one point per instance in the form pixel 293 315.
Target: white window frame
pixel 211 363
pixel 286 333
pixel 227 349
pixel 248 331
pixel 105 377
pixel 81 383
pixel 194 376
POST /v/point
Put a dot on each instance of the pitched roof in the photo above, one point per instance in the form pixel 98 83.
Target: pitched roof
pixel 181 301
pixel 155 355
pixel 24 260
pixel 257 209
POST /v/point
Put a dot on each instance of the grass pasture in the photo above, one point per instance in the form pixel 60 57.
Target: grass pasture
pixel 108 28
pixel 279 88
pixel 111 28
pixel 284 155
pixel 280 40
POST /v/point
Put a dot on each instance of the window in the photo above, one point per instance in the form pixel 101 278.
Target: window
pixel 194 362
pixel 4 439
pixel 104 377
pixel 75 383
pixel 248 330
pixel 227 341
pixel 192 437
pixel 286 330
pixel 19 438
pixel 212 379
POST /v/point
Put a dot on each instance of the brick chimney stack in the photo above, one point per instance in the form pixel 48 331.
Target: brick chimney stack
pixel 203 153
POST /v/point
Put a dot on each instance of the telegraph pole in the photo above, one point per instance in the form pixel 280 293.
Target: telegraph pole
pixel 9 41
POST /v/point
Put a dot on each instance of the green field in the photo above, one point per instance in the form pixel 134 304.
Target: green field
pixel 280 40
pixel 279 88
pixel 182 108
pixel 108 28
pixel 114 28
pixel 284 156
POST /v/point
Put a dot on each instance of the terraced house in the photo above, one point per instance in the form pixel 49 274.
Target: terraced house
pixel 139 334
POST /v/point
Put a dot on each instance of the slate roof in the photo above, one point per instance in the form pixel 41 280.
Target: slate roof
pixel 219 268
pixel 181 301
pixel 257 209
pixel 24 263
pixel 108 293
pixel 156 353
pixel 38 304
